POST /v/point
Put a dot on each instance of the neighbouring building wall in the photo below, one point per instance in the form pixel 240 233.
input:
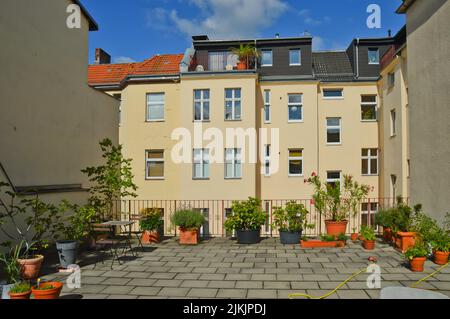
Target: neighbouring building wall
pixel 394 145
pixel 428 26
pixel 51 120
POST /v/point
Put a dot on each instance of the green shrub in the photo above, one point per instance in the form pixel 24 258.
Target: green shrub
pixel 291 218
pixel 419 250
pixel 150 219
pixel 327 237
pixel 368 233
pixel 441 241
pixel 20 287
pixel 247 215
pixel 188 219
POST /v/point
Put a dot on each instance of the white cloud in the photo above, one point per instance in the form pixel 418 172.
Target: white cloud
pixel 305 14
pixel 318 43
pixel 223 19
pixel 123 59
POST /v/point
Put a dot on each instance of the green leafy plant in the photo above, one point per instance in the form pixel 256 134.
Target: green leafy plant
pixel 150 219
pixel 188 219
pixel 342 237
pixel 112 180
pixel 325 237
pixel 20 287
pixel 11 264
pixel 247 215
pixel 441 241
pixel 246 53
pixel 334 202
pixel 418 250
pixel 79 223
pixel 425 226
pixel 368 233
pixel 293 217
pixel 384 218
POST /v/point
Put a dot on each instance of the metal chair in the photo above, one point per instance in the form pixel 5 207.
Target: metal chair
pixel 138 233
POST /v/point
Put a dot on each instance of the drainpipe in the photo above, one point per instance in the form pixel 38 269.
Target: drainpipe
pixel 357 58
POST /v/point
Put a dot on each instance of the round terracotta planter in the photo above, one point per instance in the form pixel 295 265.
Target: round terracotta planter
pixel 369 244
pixel 242 65
pixel 188 237
pixel 20 296
pixel 416 264
pixel 149 237
pixel 354 237
pixel 30 267
pixel 440 258
pixel 49 293
pixel 336 228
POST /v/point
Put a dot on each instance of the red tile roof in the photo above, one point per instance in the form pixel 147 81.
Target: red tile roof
pixel 115 73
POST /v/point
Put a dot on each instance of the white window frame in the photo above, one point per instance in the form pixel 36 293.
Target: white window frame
pixel 267 107
pixel 374 104
pixel 333 97
pixel 300 57
pixel 148 119
pixel 300 105
pixel 202 102
pixel 369 157
pixel 203 161
pixel 235 161
pixel 295 158
pixel 393 121
pixel 330 127
pixel 233 101
pixel 393 186
pixel 368 56
pixel 372 212
pixel 153 160
pixel 334 180
pixel 271 56
pixel 267 162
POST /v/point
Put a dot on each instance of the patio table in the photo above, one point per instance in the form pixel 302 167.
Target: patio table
pixel 122 225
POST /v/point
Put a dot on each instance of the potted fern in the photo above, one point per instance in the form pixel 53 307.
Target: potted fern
pixel 189 223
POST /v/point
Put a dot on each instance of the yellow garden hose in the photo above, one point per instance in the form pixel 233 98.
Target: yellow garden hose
pixel 292 296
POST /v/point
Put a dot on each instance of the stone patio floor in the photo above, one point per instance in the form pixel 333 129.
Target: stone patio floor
pixel 220 268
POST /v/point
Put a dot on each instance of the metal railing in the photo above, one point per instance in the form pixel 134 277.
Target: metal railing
pixel 216 212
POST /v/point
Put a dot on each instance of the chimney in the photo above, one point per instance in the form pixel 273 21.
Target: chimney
pixel 277 35
pixel 389 33
pixel 101 57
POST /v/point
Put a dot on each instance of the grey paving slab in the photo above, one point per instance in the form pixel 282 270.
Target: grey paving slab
pixel 232 293
pixel 202 292
pixel 145 291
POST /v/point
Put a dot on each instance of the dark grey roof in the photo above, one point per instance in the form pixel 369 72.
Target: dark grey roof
pixel 332 66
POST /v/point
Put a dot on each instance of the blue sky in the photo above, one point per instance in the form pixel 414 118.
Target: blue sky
pixel 134 30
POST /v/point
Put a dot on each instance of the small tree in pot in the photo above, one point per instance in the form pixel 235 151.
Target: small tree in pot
pixel 247 220
pixel 290 222
pixel 189 223
pixel 150 224
pixel 368 236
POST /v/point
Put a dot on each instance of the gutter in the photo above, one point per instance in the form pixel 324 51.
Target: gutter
pixel 357 58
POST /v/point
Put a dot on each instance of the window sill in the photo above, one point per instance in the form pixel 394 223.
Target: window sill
pixel 290 175
pixel 232 178
pixel 266 65
pixel 369 175
pixel 155 121
pixel 200 179
pixel 296 121
pixel 295 64
pixel 334 144
pixel 369 121
pixel 333 98
pixel 155 178
pixel 201 121
pixel 236 120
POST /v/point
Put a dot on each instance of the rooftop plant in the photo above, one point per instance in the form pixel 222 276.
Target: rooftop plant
pixel 188 219
pixel 418 250
pixel 368 233
pixel 247 215
pixel 150 219
pixel 293 217
pixel 20 287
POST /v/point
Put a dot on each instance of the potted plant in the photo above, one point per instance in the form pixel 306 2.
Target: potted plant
pixel 290 222
pixel 336 203
pixel 21 290
pixel 402 219
pixel 150 223
pixel 354 236
pixel 247 220
pixel 12 270
pixel 47 290
pixel 417 255
pixel 246 54
pixel 325 241
pixel 384 219
pixel 368 235
pixel 189 223
pixel 440 244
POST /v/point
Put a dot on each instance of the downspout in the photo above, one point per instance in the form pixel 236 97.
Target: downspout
pixel 357 58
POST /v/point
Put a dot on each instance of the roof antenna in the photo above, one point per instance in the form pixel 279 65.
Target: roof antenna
pixel 389 33
pixel 306 33
pixel 277 35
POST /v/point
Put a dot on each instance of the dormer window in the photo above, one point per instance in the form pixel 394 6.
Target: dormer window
pixel 295 57
pixel 374 56
pixel 266 58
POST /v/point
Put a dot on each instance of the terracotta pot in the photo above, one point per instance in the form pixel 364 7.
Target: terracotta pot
pixel 405 240
pixel 20 296
pixel 49 293
pixel 354 237
pixel 242 65
pixel 188 237
pixel 150 237
pixel 321 244
pixel 417 263
pixel 336 228
pixel 30 267
pixel 369 244
pixel 387 234
pixel 440 258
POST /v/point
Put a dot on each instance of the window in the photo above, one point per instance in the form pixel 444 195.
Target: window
pixel 232 104
pixel 266 58
pixel 267 151
pixel 393 123
pixel 369 161
pixel 154 164
pixel 201 105
pixel 368 213
pixel 334 130
pixel 204 229
pixel 393 186
pixel 332 94
pixel 295 57
pixel 119 97
pixel 218 61
pixel 333 178
pixel 228 214
pixel 267 115
pixel 295 108
pixel 155 107
pixel 233 166
pixel 295 162
pixel 369 107
pixel 374 56
pixel 201 164
pixel 408 168
pixel 391 80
